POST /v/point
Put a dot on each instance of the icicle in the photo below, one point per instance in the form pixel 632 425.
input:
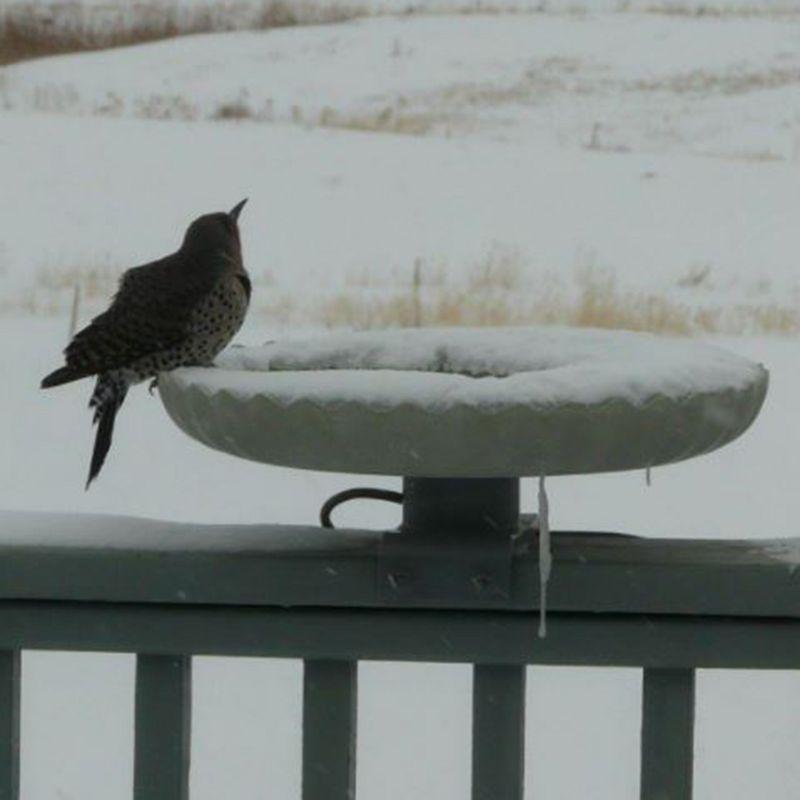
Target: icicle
pixel 647 476
pixel 545 556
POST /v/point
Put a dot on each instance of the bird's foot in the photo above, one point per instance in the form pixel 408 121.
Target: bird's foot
pixel 153 385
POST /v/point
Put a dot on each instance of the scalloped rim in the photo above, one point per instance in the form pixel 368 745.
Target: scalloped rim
pixel 519 438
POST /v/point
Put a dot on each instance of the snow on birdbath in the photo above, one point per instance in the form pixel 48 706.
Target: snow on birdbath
pixel 471 403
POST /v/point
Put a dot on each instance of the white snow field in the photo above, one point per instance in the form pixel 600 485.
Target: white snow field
pixel 616 82
pixel 658 152
pixel 651 156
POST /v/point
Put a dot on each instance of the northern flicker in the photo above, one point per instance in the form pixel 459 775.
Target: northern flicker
pixel 178 311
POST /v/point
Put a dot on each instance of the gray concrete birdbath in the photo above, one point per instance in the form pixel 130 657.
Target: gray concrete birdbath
pixel 462 415
pixel 469 403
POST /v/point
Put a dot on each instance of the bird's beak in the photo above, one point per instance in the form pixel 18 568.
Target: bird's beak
pixel 236 210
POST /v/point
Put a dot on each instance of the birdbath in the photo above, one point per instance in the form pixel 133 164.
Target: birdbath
pixel 462 415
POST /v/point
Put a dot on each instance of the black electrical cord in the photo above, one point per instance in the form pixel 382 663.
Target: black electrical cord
pixel 364 493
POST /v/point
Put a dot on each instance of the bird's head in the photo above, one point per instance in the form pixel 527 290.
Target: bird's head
pixel 215 233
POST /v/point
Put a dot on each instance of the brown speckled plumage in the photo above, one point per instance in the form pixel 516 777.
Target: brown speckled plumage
pixel 178 311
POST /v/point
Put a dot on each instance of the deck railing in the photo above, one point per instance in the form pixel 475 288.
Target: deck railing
pixel 452 586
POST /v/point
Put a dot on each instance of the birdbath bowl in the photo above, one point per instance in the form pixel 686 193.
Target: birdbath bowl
pixel 469 403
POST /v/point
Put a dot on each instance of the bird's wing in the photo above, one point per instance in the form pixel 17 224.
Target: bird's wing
pixel 150 312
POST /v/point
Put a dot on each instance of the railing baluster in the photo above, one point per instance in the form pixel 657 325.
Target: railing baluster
pixel 667 734
pixel 498 732
pixel 330 701
pixel 163 727
pixel 9 724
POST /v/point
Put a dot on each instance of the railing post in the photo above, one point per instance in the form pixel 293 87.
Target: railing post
pixel 330 699
pixel 9 724
pixel 667 734
pixel 498 732
pixel 163 727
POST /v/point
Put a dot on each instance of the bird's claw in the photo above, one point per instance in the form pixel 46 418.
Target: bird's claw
pixel 153 385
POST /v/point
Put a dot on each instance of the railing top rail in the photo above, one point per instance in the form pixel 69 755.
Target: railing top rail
pixel 477 637
pixel 65 558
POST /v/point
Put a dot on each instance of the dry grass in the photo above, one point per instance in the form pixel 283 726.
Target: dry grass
pixel 165 107
pixel 233 110
pixel 386 120
pixel 733 82
pixel 701 10
pixel 451 110
pixel 599 305
pixel 28 30
pixel 495 291
pixel 96 283
pixel 31 30
pixel 54 288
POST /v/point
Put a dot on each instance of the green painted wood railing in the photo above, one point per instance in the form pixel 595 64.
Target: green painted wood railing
pixel 667 607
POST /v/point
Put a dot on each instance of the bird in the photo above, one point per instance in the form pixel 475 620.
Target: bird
pixel 180 310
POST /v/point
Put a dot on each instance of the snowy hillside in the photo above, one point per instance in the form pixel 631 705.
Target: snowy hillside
pixel 619 83
pixel 528 168
pixel 248 9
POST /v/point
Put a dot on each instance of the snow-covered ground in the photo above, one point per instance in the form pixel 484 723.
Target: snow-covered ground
pixel 618 82
pixel 656 153
pixel 659 152
pixel 340 211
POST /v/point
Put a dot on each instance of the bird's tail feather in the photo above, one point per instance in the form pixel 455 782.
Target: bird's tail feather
pixel 107 398
pixel 63 375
